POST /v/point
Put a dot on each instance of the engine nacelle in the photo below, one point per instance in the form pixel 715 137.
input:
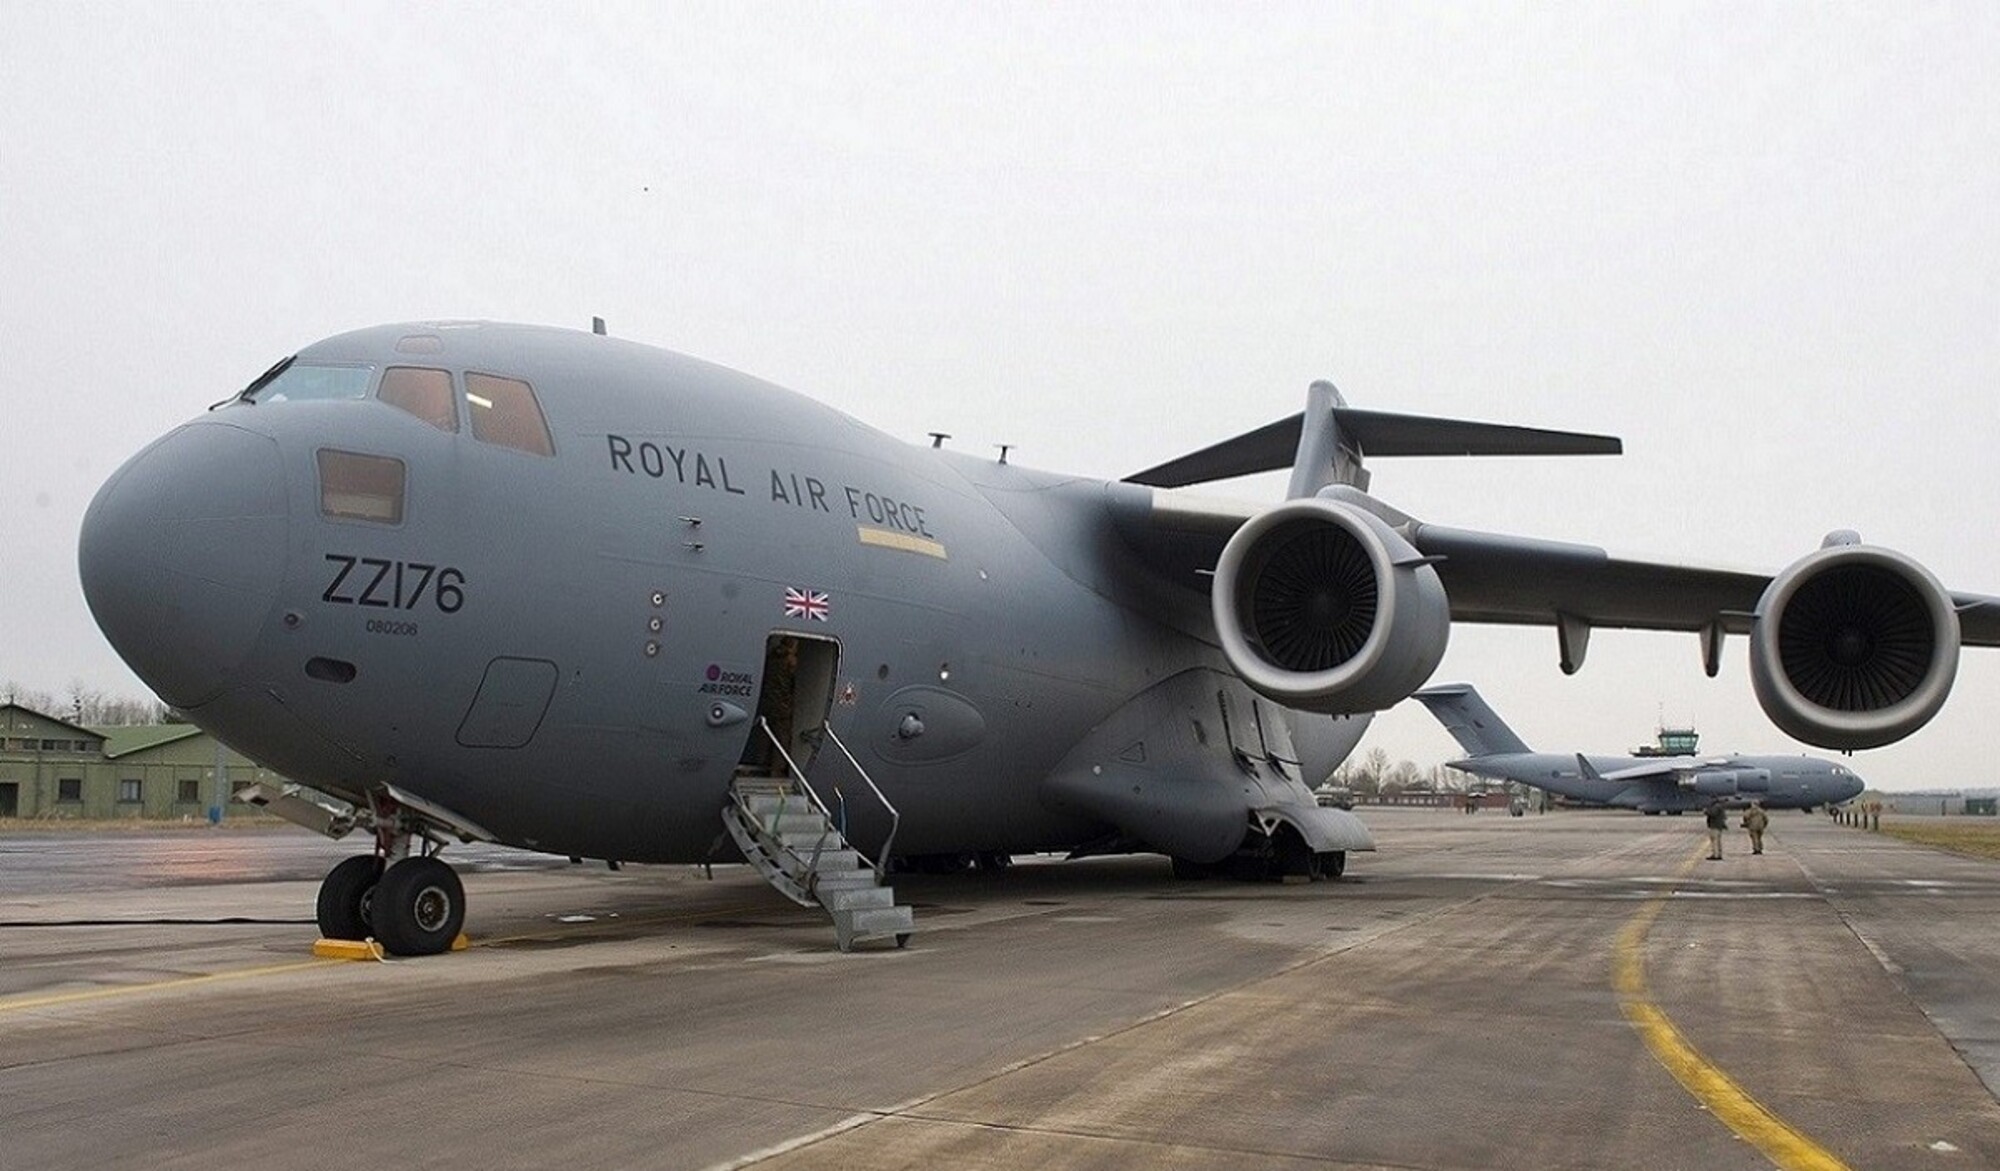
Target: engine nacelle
pixel 1711 784
pixel 1728 782
pixel 1853 647
pixel 1322 607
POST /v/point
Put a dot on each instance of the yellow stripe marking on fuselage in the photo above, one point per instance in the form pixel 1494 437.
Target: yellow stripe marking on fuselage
pixel 1746 1117
pixel 891 539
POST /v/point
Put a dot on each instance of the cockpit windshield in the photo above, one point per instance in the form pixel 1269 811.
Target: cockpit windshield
pixel 293 381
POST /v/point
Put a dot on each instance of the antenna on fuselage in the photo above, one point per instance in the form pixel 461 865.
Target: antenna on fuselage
pixel 597 326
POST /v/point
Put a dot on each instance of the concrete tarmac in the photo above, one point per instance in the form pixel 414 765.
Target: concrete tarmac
pixel 1572 990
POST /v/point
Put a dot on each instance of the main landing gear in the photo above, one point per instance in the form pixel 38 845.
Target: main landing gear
pixel 1280 856
pixel 412 904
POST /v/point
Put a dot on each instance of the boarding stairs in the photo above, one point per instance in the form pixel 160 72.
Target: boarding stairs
pixel 796 842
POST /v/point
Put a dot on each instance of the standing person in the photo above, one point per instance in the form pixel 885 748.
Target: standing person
pixel 1718 821
pixel 1755 822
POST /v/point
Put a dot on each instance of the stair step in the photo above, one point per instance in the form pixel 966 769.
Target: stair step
pixel 792 823
pixel 861 879
pixel 832 861
pixel 843 866
pixel 767 805
pixel 894 920
pixel 804 841
pixel 855 898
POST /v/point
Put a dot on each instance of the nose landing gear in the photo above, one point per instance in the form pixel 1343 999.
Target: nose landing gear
pixel 413 908
pixel 413 904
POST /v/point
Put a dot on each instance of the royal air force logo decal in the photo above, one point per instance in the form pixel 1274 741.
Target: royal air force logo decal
pixel 812 604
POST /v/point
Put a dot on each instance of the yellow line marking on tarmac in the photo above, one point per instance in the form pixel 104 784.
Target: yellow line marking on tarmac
pixel 157 985
pixel 1731 1103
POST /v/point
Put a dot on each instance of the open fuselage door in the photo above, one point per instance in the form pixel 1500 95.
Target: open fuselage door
pixel 795 695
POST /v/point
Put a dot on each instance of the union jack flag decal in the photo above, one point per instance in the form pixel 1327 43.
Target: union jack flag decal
pixel 811 604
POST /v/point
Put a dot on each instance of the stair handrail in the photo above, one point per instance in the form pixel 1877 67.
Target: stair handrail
pixel 812 864
pixel 895 818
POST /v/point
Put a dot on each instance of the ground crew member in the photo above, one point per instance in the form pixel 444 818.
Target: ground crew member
pixel 1755 822
pixel 1718 821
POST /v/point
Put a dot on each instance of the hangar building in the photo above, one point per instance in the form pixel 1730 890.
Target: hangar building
pixel 50 768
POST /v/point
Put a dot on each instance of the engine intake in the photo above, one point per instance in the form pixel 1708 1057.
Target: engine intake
pixel 1853 647
pixel 1322 607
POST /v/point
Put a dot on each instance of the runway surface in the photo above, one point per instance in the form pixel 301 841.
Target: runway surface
pixel 1572 990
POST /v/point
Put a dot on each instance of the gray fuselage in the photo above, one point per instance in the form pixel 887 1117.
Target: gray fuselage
pixel 1779 782
pixel 565 648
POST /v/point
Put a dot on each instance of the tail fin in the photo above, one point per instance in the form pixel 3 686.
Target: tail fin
pixel 1469 720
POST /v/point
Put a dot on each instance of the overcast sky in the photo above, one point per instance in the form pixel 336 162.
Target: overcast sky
pixel 1757 241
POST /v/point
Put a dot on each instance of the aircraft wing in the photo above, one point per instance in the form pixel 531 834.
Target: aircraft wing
pixel 1333 601
pixel 1664 768
pixel 1501 579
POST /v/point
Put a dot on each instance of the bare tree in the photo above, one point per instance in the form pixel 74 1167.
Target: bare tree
pixel 86 706
pixel 1367 775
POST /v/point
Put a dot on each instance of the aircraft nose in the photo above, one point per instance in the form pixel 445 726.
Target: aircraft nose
pixel 182 553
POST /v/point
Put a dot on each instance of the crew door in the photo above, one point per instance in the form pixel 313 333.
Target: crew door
pixel 795 695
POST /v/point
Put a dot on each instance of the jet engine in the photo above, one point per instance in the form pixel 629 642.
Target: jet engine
pixel 1853 646
pixel 1322 607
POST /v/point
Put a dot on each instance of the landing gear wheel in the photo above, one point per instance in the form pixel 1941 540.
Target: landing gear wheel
pixel 1332 863
pixel 1291 857
pixel 902 939
pixel 418 907
pixel 345 896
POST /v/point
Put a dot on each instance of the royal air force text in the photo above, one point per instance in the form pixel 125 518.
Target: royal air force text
pixel 698 469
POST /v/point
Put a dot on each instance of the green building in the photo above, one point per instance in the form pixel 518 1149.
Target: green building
pixel 50 768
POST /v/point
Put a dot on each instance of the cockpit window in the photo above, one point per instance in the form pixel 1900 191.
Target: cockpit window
pixel 504 412
pixel 298 382
pixel 423 392
pixel 361 487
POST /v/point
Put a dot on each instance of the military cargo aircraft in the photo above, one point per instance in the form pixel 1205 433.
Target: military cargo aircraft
pixel 1650 784
pixel 566 592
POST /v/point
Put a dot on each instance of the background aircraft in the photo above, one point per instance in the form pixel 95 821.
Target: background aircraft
pixel 1650 784
pixel 578 595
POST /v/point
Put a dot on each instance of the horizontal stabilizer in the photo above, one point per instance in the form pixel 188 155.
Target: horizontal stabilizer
pixel 1372 433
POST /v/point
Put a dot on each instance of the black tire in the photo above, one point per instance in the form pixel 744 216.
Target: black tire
pixel 1188 871
pixel 345 895
pixel 1290 856
pixel 418 908
pixel 1332 864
